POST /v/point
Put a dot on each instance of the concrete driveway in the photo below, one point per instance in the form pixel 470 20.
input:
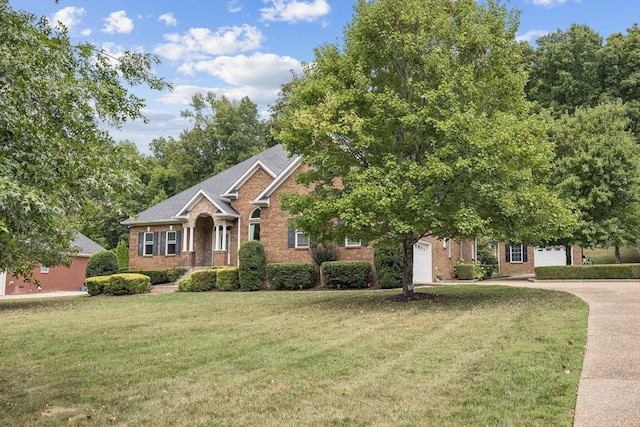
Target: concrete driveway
pixel 609 389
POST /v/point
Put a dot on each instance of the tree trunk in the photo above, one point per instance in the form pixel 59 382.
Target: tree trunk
pixel 567 254
pixel 617 252
pixel 407 267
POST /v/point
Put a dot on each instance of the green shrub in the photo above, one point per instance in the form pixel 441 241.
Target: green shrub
pixel 465 271
pixel 101 263
pixel 322 253
pixel 388 261
pixel 95 285
pixel 175 273
pixel 252 268
pixel 346 274
pixel 161 276
pixel 127 284
pixel 298 275
pixel 585 272
pixel 186 286
pixel 227 279
pixel 122 255
pixel 203 280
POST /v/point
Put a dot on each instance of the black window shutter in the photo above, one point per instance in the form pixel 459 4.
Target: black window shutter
pixel 291 238
pixel 524 254
pixel 178 242
pixel 140 243
pixel 155 243
pixel 507 253
pixel 163 242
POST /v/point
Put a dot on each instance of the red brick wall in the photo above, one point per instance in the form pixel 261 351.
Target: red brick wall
pixel 159 262
pixel 514 269
pixel 57 279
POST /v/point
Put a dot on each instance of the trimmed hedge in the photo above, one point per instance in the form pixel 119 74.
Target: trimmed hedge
pixel 252 265
pixel 580 272
pixel 127 284
pixel 161 276
pixel 291 275
pixel 346 274
pixel 103 263
pixel 388 261
pixel 466 271
pixel 227 279
pixel 95 285
pixel 203 280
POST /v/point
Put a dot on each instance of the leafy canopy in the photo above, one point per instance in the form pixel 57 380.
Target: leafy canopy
pixel 54 154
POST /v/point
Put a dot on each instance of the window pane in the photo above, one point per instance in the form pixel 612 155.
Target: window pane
pixel 254 231
pixel 148 243
pixel 302 241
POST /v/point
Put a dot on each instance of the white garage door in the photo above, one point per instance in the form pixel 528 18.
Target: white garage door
pixel 552 255
pixel 422 263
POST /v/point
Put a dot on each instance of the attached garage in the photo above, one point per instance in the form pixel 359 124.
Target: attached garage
pixel 422 263
pixel 551 255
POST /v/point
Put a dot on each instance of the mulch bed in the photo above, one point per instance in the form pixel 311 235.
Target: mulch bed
pixel 417 296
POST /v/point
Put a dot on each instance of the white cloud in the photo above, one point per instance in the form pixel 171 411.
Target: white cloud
pixel 295 10
pixel 68 16
pixel 531 36
pixel 259 70
pixel 118 22
pixel 197 43
pixel 549 3
pixel 182 95
pixel 234 6
pixel 168 19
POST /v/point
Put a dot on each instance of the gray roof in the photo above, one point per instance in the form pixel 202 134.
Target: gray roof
pixel 86 245
pixel 276 159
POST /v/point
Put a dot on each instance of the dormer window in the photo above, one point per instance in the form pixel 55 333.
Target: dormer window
pixel 255 214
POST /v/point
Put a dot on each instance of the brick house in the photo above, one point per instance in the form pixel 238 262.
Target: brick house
pixel 54 279
pixel 206 224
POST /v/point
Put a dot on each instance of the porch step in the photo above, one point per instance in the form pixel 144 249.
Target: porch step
pixel 164 288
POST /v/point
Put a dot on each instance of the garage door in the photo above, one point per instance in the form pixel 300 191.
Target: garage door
pixel 551 255
pixel 422 263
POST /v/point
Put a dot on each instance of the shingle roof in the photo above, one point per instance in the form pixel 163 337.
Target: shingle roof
pixel 275 158
pixel 86 245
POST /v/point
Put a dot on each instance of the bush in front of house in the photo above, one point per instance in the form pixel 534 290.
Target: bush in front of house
pixel 465 271
pixel 161 276
pixel 586 272
pixel 203 280
pixel 346 274
pixel 252 269
pixel 175 273
pixel 187 286
pixel 122 255
pixel 95 285
pixel 101 263
pixel 388 260
pixel 323 252
pixel 227 279
pixel 291 275
pixel 127 284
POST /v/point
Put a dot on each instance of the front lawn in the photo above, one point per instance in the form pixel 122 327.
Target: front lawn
pixel 462 355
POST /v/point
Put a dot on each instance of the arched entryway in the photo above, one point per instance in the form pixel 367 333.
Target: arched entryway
pixel 203 244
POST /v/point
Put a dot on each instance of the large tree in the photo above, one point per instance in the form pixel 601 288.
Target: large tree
pixel 419 126
pixel 598 172
pixel 54 153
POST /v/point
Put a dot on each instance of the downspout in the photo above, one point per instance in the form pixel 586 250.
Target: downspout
pixel 237 257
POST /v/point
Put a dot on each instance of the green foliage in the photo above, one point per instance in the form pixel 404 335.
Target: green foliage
pixel 185 286
pixel 291 276
pixel 95 285
pixel 227 279
pixel 203 280
pixel 323 252
pixel 252 270
pixel 161 276
pixel 465 271
pixel 55 156
pixel 175 273
pixel 388 261
pixel 346 274
pixel 122 255
pixel 102 264
pixel 585 272
pixel 423 117
pixel 127 284
pixel 486 259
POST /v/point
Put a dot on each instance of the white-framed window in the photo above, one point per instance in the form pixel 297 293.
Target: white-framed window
pixel 302 241
pixel 351 243
pixel 44 269
pixel 254 231
pixel 172 242
pixel 255 214
pixel 148 244
pixel 516 253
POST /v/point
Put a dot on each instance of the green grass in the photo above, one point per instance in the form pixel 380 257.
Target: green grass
pixel 629 254
pixel 470 355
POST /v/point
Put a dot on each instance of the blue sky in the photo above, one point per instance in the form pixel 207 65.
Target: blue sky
pixel 249 47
